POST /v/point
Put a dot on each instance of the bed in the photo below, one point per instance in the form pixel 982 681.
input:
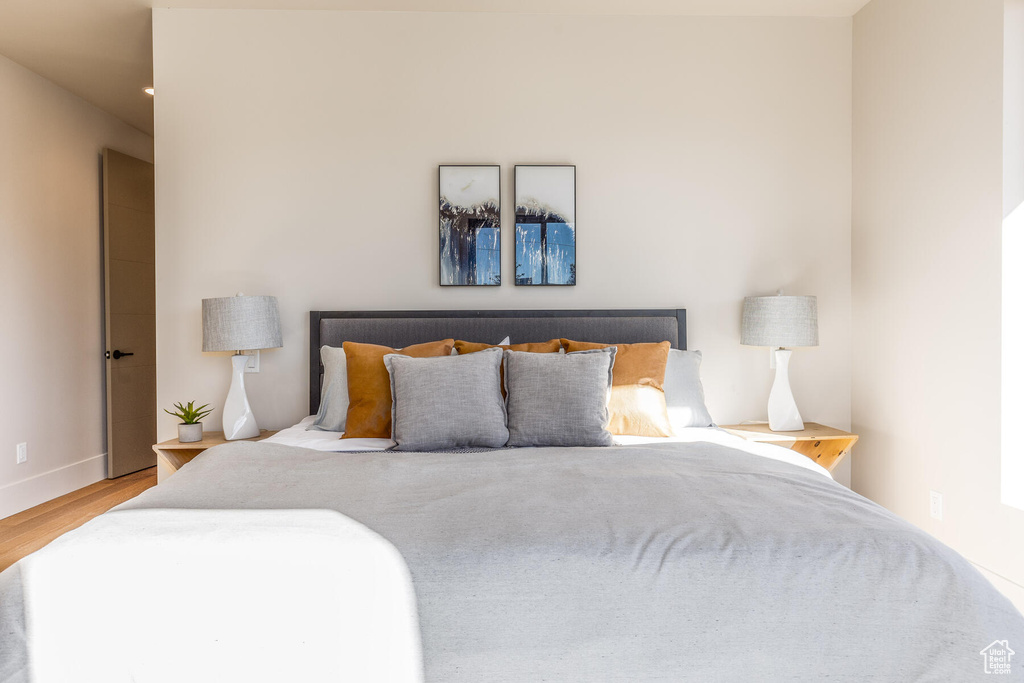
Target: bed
pixel 699 557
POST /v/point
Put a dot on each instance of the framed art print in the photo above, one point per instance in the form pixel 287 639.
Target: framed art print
pixel 545 225
pixel 470 224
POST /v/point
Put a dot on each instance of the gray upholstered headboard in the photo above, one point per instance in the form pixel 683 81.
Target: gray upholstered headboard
pixel 401 328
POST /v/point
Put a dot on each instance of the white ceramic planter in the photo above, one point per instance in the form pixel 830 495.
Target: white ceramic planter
pixel 190 433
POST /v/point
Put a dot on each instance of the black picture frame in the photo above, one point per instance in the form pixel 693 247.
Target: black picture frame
pixel 527 215
pixel 457 262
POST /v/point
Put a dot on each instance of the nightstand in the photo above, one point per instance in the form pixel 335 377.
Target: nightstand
pixel 824 445
pixel 172 455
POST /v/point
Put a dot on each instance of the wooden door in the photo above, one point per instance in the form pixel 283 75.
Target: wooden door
pixel 129 263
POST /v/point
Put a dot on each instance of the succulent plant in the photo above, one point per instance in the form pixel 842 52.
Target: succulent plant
pixel 189 415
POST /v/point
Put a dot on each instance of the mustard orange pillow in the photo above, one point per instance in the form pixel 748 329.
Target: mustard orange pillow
pixel 553 346
pixel 369 385
pixel 637 402
pixel 464 347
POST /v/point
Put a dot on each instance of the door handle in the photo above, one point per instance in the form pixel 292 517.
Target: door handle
pixel 118 354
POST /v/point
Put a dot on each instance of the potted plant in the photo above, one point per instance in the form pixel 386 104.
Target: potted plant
pixel 191 428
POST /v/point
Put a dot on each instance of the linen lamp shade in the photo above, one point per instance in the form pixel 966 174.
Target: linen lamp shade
pixel 241 323
pixel 780 321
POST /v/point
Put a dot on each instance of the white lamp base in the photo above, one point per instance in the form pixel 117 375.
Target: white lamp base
pixel 783 415
pixel 239 422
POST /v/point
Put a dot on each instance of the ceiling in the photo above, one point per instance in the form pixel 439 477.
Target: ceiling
pixel 102 50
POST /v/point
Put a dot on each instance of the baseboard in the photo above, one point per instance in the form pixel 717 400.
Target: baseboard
pixel 27 493
pixel 1013 591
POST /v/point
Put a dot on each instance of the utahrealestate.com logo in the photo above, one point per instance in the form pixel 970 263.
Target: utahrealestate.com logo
pixel 997 657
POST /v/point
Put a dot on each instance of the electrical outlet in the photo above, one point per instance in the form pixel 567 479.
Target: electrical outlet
pixel 936 505
pixel 252 363
pixel 22 452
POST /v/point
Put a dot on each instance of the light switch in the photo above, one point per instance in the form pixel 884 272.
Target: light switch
pixel 936 505
pixel 253 362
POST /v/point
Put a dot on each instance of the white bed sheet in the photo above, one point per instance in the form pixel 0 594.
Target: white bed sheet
pixel 297 435
pixel 334 601
pixel 724 438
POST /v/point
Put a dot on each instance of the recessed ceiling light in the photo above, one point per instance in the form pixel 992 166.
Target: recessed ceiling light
pixel 148 91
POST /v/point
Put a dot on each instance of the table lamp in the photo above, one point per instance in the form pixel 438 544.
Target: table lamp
pixel 240 323
pixel 780 322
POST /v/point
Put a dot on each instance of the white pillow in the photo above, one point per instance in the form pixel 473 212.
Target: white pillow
pixel 684 394
pixel 334 395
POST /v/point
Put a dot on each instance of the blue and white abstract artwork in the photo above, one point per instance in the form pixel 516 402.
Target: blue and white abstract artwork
pixel 470 218
pixel 545 225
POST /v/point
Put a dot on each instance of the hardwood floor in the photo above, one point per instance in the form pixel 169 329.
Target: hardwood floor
pixel 28 531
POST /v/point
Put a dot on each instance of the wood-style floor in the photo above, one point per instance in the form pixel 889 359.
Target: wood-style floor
pixel 28 531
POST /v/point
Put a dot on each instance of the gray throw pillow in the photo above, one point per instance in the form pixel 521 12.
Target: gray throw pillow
pixel 684 393
pixel 447 401
pixel 334 395
pixel 559 399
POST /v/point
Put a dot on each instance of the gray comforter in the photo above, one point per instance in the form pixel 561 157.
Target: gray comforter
pixel 668 562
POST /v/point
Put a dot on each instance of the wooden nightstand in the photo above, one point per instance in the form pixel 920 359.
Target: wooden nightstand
pixel 824 445
pixel 171 455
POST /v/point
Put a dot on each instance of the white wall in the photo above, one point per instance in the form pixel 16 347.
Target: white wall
pixel 1013 106
pixel 51 340
pixel 926 278
pixel 297 156
pixel 1013 252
